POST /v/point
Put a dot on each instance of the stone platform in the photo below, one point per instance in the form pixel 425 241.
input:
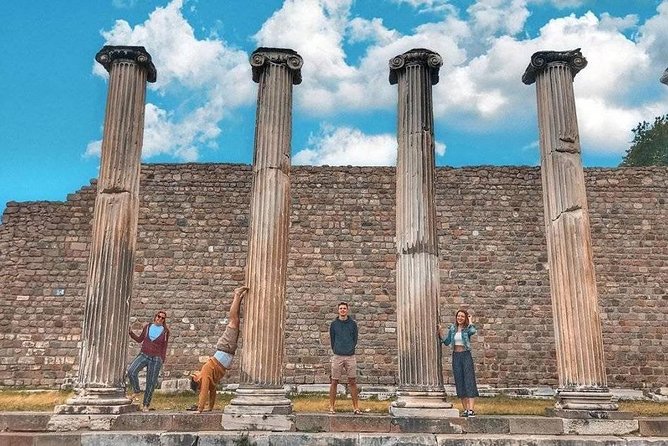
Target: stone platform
pixel 187 429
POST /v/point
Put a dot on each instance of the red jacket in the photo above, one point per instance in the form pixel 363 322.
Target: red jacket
pixel 157 347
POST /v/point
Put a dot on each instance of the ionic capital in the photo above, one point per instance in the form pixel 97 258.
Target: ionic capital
pixel 262 57
pixel 417 56
pixel 137 54
pixel 542 59
pixel 664 78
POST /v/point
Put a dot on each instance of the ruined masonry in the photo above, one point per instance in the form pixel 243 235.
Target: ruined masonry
pixel 192 251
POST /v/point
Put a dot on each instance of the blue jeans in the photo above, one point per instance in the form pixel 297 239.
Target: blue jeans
pixel 153 365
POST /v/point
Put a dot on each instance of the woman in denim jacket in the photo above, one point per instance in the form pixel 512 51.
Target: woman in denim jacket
pixel 459 335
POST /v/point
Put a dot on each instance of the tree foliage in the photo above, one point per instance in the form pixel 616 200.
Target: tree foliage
pixel 650 144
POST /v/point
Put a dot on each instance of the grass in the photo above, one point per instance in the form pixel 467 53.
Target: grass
pixel 27 400
pixel 30 400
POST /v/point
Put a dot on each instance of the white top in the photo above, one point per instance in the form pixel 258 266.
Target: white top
pixel 224 358
pixel 458 339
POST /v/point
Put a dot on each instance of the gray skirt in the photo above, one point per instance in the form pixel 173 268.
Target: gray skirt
pixel 464 373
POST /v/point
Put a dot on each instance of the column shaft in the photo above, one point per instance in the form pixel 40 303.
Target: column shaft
pixel 417 246
pixel 114 233
pixel 420 391
pixel 260 402
pixel 263 329
pixel 577 325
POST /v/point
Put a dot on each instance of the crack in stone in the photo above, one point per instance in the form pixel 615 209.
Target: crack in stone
pixel 115 190
pixel 570 209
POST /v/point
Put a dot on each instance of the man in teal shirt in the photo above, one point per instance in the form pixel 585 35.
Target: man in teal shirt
pixel 343 340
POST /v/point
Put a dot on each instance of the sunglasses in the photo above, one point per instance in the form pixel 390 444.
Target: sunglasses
pixel 161 317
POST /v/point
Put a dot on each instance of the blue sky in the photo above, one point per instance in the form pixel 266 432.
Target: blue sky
pixel 203 106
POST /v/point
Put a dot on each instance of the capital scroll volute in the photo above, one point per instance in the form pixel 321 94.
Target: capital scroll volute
pixel 417 56
pixel 262 57
pixel 542 59
pixel 137 54
pixel 664 78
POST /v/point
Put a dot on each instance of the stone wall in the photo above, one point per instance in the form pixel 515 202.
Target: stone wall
pixel 191 254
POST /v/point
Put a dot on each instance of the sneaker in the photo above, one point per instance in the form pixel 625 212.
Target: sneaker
pixel 144 409
pixel 465 414
pixel 471 413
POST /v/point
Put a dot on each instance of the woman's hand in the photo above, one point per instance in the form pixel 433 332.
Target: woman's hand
pixel 470 319
pixel 439 331
pixel 240 291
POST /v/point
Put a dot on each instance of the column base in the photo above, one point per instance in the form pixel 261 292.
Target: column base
pixel 595 400
pixel 422 404
pixel 259 409
pixel 96 401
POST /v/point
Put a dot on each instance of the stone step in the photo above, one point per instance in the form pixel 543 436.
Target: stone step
pixel 341 422
pixel 152 438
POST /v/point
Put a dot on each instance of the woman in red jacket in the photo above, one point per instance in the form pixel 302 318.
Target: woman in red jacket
pixel 153 338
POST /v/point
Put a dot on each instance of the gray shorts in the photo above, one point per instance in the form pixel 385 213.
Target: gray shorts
pixel 228 341
pixel 344 367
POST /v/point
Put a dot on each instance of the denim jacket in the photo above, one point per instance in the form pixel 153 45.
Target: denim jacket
pixel 466 336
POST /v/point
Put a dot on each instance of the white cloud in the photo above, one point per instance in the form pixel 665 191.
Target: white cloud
pixel 94 148
pixel 429 5
pixel 315 29
pixel 209 77
pixel 439 147
pixel 654 36
pixel 561 4
pixel 610 92
pixel 492 17
pixel 371 30
pixel 336 146
pixel 485 53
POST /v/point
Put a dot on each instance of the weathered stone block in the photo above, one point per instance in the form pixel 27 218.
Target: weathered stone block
pixel 313 422
pixel 178 439
pixel 40 439
pixel 64 423
pixel 484 424
pixel 600 427
pixel 24 421
pixel 432 425
pixel 398 439
pixel 359 423
pixel 252 422
pixel 195 422
pixel 536 425
pixel 138 421
pixel 653 427
pixel 120 439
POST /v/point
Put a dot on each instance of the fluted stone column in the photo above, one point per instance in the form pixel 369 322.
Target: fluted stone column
pixel 260 401
pixel 664 78
pixel 577 325
pixel 101 386
pixel 420 391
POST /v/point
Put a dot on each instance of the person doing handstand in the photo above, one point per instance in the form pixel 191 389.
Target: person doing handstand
pixel 214 369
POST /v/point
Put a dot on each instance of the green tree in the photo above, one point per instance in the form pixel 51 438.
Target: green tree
pixel 650 144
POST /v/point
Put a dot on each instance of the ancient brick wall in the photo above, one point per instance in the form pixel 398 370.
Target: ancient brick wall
pixel 191 254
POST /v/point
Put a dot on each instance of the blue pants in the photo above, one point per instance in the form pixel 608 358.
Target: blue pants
pixel 153 365
pixel 464 373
